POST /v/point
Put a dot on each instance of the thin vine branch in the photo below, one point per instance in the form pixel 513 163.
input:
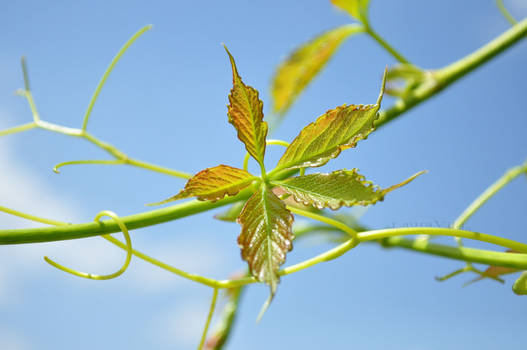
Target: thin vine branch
pixel 120 157
pixel 505 12
pixel 453 72
pixel 518 261
pixel 509 175
pixel 390 49
pixel 127 248
pixel 108 71
pixel 443 78
pixel 209 317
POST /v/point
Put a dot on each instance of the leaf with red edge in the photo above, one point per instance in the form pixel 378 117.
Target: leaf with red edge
pixel 266 235
pixel 334 131
pixel 337 189
pixel 245 112
pixel 215 183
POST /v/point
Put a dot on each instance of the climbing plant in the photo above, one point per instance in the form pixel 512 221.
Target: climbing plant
pixel 263 204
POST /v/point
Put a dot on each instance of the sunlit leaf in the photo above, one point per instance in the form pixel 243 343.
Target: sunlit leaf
pixel 337 189
pixel 334 131
pixel 358 9
pixel 304 63
pixel 231 214
pixel 245 112
pixel 215 183
pixel 266 235
pixel 520 286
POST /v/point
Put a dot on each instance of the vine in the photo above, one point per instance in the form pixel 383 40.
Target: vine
pixel 264 204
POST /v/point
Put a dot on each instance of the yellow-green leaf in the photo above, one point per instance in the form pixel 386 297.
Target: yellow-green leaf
pixel 337 189
pixel 334 131
pixel 358 9
pixel 245 112
pixel 304 63
pixel 215 183
pixel 266 235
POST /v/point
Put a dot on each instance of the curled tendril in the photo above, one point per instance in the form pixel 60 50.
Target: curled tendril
pixel 96 161
pixel 119 272
pixel 269 142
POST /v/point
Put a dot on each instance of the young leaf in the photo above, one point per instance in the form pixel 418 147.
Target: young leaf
pixel 520 286
pixel 303 64
pixel 337 189
pixel 266 235
pixel 358 9
pixel 334 131
pixel 214 183
pixel 245 113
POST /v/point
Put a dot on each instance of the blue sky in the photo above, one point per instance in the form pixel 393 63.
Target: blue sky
pixel 166 103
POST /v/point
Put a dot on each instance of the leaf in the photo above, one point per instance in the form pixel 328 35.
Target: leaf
pixel 337 189
pixel 334 131
pixel 266 235
pixel 358 9
pixel 520 286
pixel 304 63
pixel 245 112
pixel 215 183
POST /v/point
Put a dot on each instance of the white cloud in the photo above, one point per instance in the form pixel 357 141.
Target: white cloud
pixel 10 340
pixel 180 325
pixel 22 190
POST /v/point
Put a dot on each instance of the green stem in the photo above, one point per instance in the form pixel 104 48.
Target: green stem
pixel 518 261
pixel 451 73
pixel 149 218
pixel 27 91
pixel 385 44
pixel 108 71
pixel 228 317
pixel 78 162
pixel 337 224
pixel 268 142
pixel 157 168
pixel 32 217
pixel 326 256
pixel 505 12
pixel 127 247
pixel 27 86
pixel 19 128
pixel 440 231
pixel 487 257
pixel 509 175
pixel 209 317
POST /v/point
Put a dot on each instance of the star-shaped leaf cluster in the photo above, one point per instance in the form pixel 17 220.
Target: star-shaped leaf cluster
pixel 266 223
